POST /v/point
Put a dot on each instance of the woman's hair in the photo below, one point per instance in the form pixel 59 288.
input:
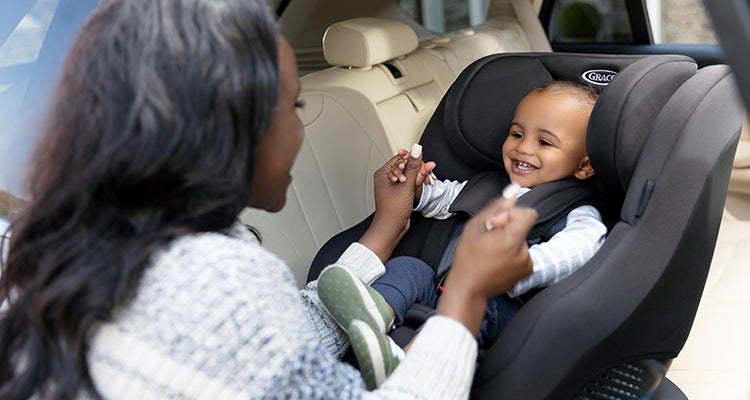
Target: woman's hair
pixel 152 135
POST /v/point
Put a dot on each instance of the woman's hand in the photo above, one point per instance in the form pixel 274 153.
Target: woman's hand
pixel 424 176
pixel 487 263
pixel 393 204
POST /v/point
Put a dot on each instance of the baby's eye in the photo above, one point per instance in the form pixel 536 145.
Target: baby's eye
pixel 517 135
pixel 299 104
pixel 544 142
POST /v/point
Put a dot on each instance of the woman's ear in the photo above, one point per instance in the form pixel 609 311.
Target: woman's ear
pixel 585 170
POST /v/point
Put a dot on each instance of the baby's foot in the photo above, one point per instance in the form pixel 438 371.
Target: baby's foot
pixel 374 355
pixel 346 298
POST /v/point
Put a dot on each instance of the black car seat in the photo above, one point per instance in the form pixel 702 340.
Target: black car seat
pixel 583 339
pixel 610 329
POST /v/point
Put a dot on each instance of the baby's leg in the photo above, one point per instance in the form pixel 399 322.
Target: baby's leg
pixel 500 310
pixel 407 280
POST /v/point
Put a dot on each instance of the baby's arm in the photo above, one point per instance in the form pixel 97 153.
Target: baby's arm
pixel 566 251
pixel 437 198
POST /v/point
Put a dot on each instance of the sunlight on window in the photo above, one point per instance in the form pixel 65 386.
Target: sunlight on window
pixel 18 54
pixel 24 44
pixel 680 21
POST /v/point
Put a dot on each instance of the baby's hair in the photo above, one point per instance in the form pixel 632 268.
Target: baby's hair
pixel 588 94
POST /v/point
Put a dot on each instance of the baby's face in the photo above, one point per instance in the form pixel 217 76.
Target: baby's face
pixel 547 139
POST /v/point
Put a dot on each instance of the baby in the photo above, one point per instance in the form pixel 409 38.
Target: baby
pixel 546 142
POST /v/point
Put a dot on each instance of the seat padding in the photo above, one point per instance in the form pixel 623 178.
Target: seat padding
pixel 620 124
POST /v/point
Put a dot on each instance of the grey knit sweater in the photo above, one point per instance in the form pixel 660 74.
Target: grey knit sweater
pixel 218 317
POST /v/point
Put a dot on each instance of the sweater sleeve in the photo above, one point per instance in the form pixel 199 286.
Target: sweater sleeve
pixel 566 251
pixel 439 365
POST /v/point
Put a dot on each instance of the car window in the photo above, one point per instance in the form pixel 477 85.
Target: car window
pixel 446 15
pixel 680 21
pixel 589 21
pixel 34 37
pixel 625 22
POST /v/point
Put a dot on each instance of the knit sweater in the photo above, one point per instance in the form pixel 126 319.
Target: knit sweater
pixel 216 316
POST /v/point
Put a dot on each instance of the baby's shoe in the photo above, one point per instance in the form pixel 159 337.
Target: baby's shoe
pixel 346 298
pixel 374 355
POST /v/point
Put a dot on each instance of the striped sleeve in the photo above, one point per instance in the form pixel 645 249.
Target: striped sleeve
pixel 437 198
pixel 566 251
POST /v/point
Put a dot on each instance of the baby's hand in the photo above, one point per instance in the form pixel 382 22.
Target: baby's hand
pixel 425 175
pixel 396 174
pixel 425 171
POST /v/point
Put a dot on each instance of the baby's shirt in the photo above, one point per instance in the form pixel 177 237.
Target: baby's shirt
pixel 552 260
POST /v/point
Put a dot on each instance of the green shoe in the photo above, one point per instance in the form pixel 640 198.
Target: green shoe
pixel 346 298
pixel 376 361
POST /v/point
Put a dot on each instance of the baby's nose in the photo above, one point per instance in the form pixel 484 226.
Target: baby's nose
pixel 525 147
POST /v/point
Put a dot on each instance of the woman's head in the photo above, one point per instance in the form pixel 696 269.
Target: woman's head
pixel 161 106
pixel 159 113
pixel 280 144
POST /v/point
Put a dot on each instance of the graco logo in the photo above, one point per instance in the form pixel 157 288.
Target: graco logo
pixel 599 76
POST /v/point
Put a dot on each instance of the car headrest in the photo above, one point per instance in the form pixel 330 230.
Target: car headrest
pixel 364 42
pixel 624 115
pixel 465 135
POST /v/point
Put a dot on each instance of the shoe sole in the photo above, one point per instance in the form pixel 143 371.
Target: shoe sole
pixel 341 308
pixel 372 364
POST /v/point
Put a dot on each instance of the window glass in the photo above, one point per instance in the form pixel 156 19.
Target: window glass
pixel 441 16
pixel 680 21
pixel 589 21
pixel 19 51
pixel 34 37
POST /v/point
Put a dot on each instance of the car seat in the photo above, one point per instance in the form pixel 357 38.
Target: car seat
pixel 610 329
pixel 635 300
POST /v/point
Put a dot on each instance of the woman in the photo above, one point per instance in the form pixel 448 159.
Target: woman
pixel 128 275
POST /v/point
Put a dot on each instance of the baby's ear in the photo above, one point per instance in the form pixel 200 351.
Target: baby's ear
pixel 585 170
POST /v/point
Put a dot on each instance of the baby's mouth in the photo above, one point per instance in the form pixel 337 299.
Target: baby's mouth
pixel 521 167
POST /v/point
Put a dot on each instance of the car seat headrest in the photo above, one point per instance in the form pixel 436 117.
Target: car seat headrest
pixel 364 42
pixel 624 115
pixel 465 135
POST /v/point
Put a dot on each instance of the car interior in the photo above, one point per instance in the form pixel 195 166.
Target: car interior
pixel 669 320
pixel 385 77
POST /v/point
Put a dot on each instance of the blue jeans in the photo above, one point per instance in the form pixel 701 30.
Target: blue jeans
pixel 408 280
